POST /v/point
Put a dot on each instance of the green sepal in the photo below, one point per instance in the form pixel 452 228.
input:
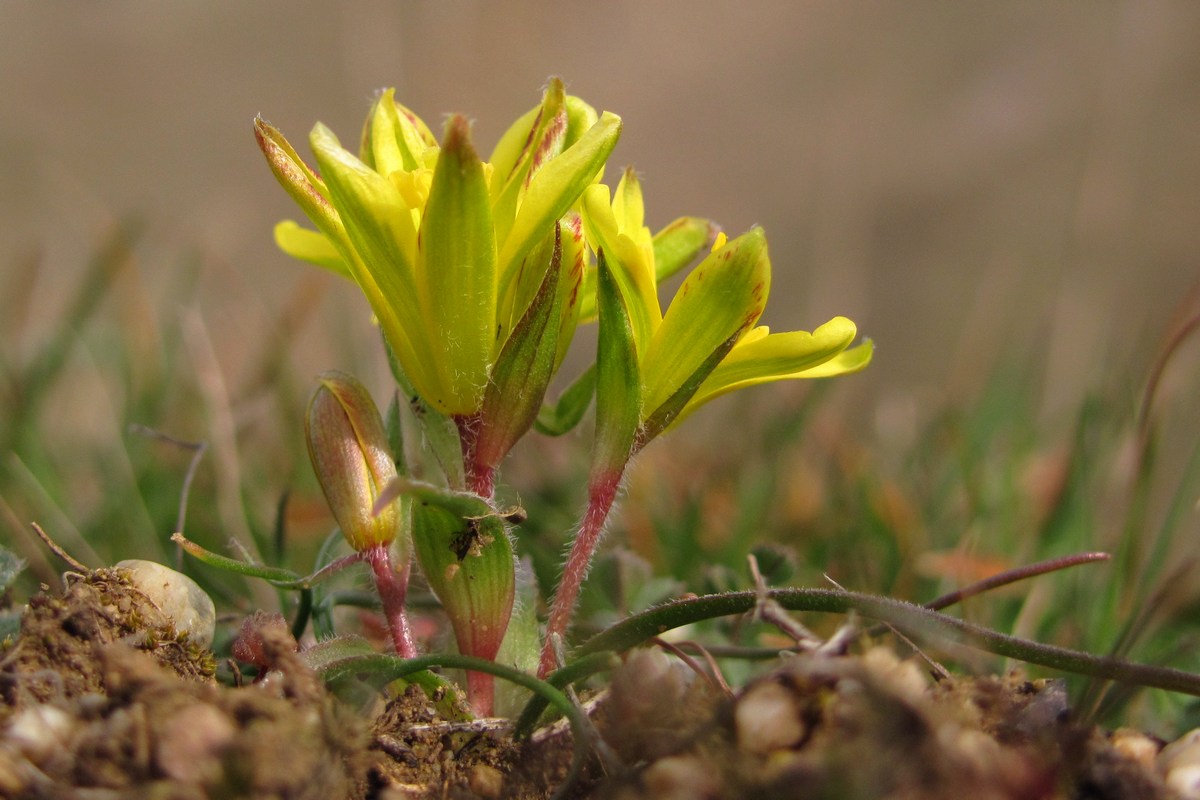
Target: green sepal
pixel 541 141
pixel 580 119
pixel 618 383
pixel 555 188
pixel 469 565
pixel 380 227
pixel 568 410
pixel 524 368
pixel 457 272
pixel 301 183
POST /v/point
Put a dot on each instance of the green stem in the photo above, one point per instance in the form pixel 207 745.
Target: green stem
pixel 907 616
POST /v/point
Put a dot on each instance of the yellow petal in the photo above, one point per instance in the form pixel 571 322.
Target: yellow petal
pixel 785 356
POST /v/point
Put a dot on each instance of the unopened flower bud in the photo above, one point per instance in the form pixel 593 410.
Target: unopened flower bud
pixel 349 452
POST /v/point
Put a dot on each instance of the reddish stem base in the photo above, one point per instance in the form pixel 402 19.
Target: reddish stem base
pixel 601 494
pixel 392 586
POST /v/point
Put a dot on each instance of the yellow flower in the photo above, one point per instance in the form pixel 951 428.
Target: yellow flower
pixel 654 368
pixel 443 244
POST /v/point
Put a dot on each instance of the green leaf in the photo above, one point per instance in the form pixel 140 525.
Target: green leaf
pixel 284 578
pixel 572 404
pixel 457 274
pixel 329 657
pixel 466 505
pixel 722 298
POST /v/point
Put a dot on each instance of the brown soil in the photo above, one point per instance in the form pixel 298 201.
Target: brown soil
pixel 103 699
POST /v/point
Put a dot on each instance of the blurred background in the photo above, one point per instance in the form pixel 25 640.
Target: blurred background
pixel 951 177
pixel 1005 197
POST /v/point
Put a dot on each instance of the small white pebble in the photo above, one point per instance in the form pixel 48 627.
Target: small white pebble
pixel 177 596
pixel 683 777
pixel 1184 750
pixel 486 781
pixel 38 732
pixel 905 678
pixel 193 742
pixel 766 719
pixel 1185 780
pixel 1136 746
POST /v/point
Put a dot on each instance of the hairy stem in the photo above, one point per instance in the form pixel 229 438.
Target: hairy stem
pixel 480 476
pixel 392 585
pixel 601 494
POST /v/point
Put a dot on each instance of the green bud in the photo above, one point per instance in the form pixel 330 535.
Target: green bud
pixel 349 451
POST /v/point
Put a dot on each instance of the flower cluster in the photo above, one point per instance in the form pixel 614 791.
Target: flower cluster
pixel 478 273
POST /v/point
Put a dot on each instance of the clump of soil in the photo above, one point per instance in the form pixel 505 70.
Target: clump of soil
pixel 54 658
pixel 103 699
pixel 872 727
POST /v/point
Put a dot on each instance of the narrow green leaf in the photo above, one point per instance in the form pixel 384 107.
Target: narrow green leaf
pixel 284 578
pixel 572 404
pixel 460 504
